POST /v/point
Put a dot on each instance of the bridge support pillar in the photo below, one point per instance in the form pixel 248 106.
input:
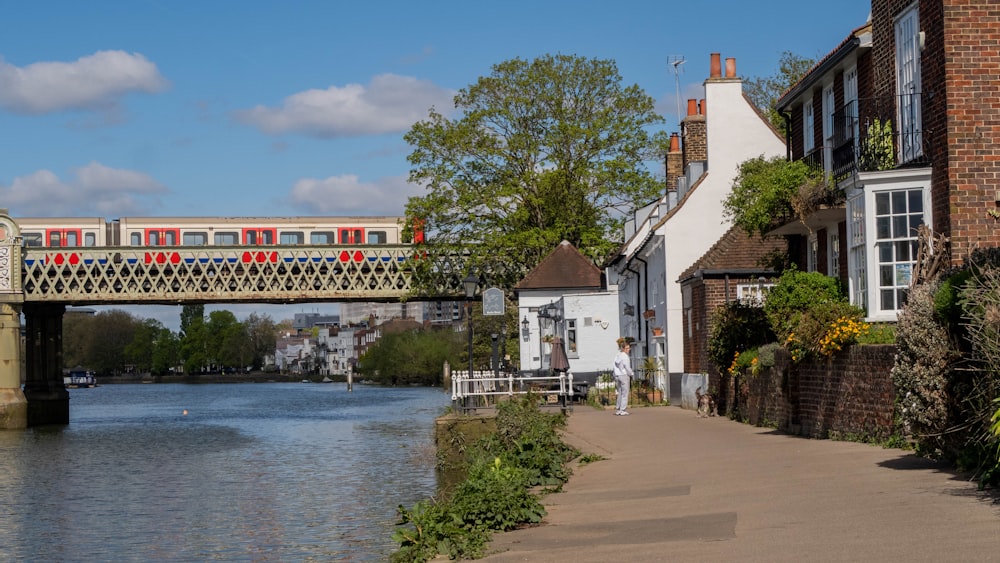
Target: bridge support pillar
pixel 48 399
pixel 13 405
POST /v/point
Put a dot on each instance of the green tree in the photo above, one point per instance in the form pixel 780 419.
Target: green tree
pixel 262 334
pixel 411 357
pixel 769 190
pixel 546 150
pixel 141 350
pixel 108 335
pixel 194 346
pixel 225 340
pixel 764 91
pixel 166 353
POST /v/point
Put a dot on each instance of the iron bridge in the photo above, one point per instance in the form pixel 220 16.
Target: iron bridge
pixel 172 275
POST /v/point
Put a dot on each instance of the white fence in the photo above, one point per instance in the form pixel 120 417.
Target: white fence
pixel 481 389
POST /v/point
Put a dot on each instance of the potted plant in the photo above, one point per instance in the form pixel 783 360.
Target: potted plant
pixel 647 388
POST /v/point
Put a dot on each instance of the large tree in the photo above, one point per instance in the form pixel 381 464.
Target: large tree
pixel 764 91
pixel 542 151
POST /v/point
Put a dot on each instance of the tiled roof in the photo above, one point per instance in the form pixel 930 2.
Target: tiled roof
pixel 564 268
pixel 736 251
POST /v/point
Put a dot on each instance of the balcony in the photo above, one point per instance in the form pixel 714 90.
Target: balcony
pixel 879 134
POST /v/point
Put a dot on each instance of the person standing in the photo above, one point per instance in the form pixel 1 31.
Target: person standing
pixel 623 376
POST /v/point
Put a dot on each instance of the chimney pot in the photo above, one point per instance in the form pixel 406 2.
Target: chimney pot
pixel 716 68
pixel 692 106
pixel 730 67
pixel 675 142
pixel 702 107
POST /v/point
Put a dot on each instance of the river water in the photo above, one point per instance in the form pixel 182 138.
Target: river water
pixel 227 472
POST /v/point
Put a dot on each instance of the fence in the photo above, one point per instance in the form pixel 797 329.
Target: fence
pixel 481 389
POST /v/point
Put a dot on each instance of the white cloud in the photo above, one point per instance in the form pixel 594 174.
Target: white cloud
pixel 93 82
pixel 389 104
pixel 345 195
pixel 94 189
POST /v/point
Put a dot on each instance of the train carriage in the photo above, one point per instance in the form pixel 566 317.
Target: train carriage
pixel 210 231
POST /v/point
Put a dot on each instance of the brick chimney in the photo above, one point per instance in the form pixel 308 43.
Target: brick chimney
pixel 693 130
pixel 675 162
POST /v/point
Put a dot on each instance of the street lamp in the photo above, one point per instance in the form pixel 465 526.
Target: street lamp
pixel 470 283
pixel 525 328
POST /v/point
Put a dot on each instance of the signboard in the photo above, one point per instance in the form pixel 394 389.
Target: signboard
pixel 493 301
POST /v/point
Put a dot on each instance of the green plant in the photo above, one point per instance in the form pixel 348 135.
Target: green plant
pixel 764 189
pixel 591 458
pixel 876 151
pixel 735 327
pixel 796 294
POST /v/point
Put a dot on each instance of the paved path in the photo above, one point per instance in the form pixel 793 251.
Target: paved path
pixel 675 487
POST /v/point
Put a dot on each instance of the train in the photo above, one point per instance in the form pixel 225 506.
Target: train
pixel 59 232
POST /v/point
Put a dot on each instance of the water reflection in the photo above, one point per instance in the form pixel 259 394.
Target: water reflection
pixel 258 472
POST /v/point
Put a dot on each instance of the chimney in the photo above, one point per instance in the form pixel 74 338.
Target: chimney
pixel 692 107
pixel 716 66
pixel 675 162
pixel 702 107
pixel 730 67
pixel 693 128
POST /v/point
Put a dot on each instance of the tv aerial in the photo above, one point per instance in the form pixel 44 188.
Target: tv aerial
pixel 676 61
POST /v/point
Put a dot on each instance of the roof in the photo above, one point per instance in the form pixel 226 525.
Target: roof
pixel 853 41
pixel 564 268
pixel 735 253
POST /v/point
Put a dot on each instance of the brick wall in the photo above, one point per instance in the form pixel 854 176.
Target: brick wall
pixel 695 141
pixel 850 393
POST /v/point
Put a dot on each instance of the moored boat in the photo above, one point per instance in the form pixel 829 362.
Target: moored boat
pixel 80 379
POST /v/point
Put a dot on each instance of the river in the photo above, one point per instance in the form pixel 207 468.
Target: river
pixel 224 472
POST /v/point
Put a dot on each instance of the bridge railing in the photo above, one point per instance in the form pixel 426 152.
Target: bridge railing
pixel 279 274
pixel 481 388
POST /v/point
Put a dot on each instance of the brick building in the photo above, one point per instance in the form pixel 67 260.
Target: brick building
pixel 905 116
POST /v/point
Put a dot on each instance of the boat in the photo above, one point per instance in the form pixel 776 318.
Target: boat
pixel 80 379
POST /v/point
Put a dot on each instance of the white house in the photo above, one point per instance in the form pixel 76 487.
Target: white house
pixel 666 237
pixel 567 296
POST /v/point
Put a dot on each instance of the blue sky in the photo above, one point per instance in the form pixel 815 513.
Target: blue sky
pixel 250 108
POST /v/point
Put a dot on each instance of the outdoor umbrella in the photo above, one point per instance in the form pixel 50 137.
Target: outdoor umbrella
pixel 560 362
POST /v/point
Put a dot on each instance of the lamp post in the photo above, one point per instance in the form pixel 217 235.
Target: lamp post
pixel 470 283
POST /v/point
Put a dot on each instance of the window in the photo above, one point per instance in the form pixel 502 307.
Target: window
pixel 195 239
pixel 753 292
pixel 828 109
pixel 833 254
pixel 377 237
pixel 812 253
pixel 55 239
pixel 882 232
pixel 292 237
pixel 571 338
pixel 851 105
pixel 808 128
pixel 908 84
pixel 227 238
pixel 32 239
pixel 135 239
pixel 898 213
pixel 89 239
pixel 350 235
pixel 72 238
pixel 322 238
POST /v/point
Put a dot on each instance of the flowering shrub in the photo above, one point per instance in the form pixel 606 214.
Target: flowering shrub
pixel 844 331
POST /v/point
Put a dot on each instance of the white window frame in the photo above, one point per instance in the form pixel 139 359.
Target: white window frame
pixel 864 261
pixel 812 252
pixel 572 339
pixel 808 128
pixel 829 106
pixel 851 105
pixel 833 252
pixel 754 293
pixel 908 107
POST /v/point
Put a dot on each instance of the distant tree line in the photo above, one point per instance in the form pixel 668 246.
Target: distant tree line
pixel 115 342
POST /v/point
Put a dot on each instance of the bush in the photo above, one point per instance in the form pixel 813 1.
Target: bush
pixel 794 295
pixel 525 451
pixel 737 326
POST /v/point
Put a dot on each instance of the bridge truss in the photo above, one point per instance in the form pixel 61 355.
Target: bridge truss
pixel 171 275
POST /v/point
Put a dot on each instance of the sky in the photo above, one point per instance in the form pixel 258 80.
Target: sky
pixel 164 108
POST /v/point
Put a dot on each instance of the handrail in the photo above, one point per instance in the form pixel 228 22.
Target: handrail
pixel 484 384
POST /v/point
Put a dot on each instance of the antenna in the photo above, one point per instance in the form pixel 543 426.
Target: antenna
pixel 676 61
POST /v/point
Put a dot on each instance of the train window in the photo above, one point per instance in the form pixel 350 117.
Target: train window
pixel 55 239
pixel 292 237
pixel 135 239
pixel 72 238
pixel 154 238
pixel 89 239
pixel 227 239
pixel 170 238
pixel 195 239
pixel 32 239
pixel 377 237
pixel 322 238
pixel 267 236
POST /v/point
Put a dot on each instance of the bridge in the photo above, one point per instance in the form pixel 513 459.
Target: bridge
pixel 42 281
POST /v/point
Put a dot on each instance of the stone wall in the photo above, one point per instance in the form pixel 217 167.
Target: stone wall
pixel 849 394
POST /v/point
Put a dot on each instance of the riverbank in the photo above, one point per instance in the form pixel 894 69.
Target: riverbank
pixel 676 487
